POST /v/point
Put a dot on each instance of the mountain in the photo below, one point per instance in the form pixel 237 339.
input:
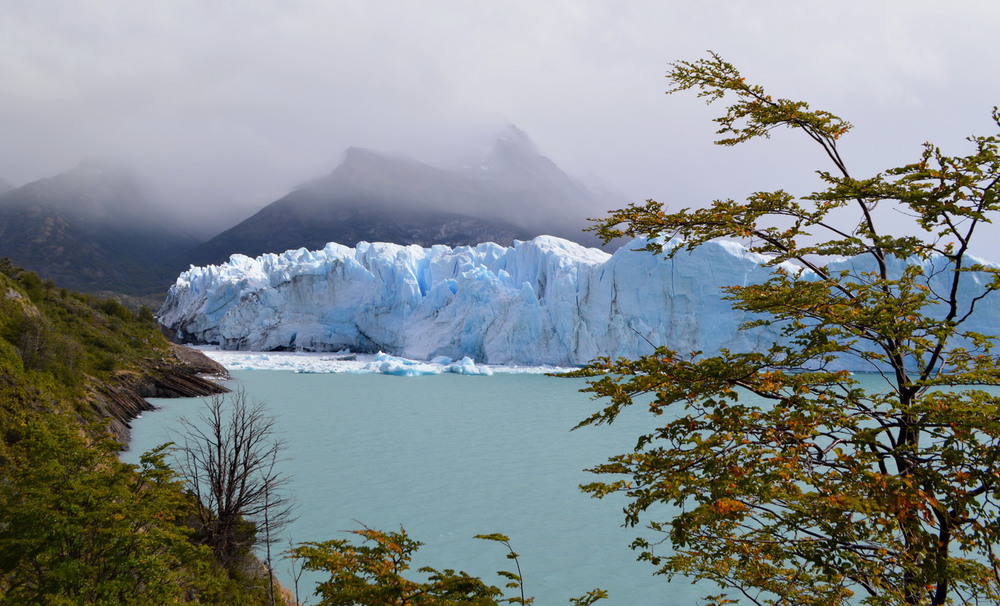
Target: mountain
pixel 547 301
pixel 511 191
pixel 5 186
pixel 92 228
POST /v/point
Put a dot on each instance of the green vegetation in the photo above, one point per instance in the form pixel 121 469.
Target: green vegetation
pixel 370 573
pixel 827 493
pixel 76 525
pixel 64 340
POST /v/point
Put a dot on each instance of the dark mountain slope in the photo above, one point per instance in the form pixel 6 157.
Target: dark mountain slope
pixel 93 228
pixel 307 219
pixel 510 192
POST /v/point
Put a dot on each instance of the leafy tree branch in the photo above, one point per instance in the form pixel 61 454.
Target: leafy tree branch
pixel 796 484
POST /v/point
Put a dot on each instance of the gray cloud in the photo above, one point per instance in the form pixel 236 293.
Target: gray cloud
pixel 226 106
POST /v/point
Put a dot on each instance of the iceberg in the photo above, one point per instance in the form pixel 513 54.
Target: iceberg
pixel 546 301
pixel 404 367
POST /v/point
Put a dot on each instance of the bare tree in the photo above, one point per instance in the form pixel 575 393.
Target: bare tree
pixel 228 458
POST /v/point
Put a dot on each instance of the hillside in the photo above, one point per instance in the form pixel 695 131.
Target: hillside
pixel 510 191
pixel 76 525
pixel 93 228
pixel 101 229
pixel 308 219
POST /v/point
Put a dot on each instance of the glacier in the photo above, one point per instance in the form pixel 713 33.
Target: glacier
pixel 546 301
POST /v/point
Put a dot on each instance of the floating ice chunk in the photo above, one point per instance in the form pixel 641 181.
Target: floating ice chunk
pixel 346 362
pixel 403 367
pixel 466 366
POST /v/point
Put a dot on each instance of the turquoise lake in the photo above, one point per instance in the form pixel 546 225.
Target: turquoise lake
pixel 448 457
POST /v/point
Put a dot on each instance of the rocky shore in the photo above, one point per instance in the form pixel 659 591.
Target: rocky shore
pixel 182 373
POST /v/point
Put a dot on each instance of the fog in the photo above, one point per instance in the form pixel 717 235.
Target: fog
pixel 225 107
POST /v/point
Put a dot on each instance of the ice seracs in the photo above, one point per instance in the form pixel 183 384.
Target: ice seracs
pixel 546 301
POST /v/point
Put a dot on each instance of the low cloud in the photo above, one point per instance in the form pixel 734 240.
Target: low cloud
pixel 226 107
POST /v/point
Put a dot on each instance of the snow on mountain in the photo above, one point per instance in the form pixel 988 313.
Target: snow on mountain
pixel 544 301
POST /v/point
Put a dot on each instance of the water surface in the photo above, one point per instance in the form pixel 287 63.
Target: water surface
pixel 448 457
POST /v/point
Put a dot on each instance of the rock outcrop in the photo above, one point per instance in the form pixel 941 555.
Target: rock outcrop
pixel 185 373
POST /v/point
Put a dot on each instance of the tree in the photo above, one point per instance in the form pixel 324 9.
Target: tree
pixel 228 459
pixel 370 573
pixel 817 491
pixel 78 526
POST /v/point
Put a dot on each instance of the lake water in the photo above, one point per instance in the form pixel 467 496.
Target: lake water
pixel 448 457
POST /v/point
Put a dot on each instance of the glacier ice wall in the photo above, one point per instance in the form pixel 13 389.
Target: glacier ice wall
pixel 545 301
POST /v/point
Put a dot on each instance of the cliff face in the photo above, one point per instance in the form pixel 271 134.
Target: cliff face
pixel 547 301
pixel 181 374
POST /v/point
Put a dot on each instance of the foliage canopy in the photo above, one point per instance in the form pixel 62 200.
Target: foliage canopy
pixel 371 573
pixel 795 484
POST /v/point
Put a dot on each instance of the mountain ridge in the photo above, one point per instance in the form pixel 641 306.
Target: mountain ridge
pixel 509 192
pixel 91 228
pixel 101 228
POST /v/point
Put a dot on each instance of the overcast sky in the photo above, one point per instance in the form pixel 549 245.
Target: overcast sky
pixel 225 106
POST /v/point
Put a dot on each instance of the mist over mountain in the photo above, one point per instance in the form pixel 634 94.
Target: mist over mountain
pixel 102 228
pixel 510 191
pixel 5 185
pixel 93 228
